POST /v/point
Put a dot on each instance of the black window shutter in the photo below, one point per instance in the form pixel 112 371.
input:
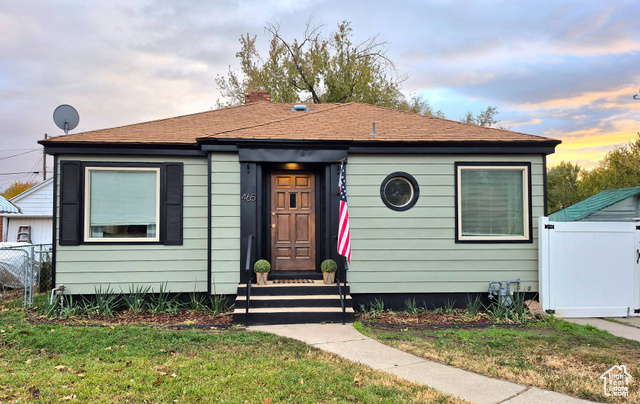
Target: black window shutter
pixel 70 207
pixel 173 194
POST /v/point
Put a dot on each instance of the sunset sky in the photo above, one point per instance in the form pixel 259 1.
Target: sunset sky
pixel 562 69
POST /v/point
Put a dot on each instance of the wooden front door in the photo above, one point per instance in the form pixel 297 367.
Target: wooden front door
pixel 293 222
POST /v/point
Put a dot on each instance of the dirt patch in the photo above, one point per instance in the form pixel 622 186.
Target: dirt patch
pixel 8 295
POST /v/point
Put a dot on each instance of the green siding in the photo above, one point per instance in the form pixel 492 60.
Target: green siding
pixel 225 223
pixel 393 252
pixel 415 251
pixel 86 267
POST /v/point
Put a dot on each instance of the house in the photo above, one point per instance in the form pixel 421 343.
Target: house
pixel 34 224
pixel 6 207
pixel 438 208
pixel 611 205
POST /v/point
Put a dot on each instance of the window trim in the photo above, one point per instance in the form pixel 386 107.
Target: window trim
pixel 415 189
pixel 87 204
pixel 525 168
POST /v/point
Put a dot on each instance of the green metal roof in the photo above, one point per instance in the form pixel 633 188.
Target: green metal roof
pixel 593 204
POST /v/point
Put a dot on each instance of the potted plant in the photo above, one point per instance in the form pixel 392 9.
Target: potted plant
pixel 329 268
pixel 262 269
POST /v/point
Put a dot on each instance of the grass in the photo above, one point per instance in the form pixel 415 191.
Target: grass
pixel 554 355
pixel 52 362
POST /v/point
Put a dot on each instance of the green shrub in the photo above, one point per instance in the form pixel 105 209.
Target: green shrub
pixel 135 300
pixel 411 307
pixel 262 267
pixel 329 266
pixel 105 303
pixel 45 274
pixel 473 304
pixel 162 302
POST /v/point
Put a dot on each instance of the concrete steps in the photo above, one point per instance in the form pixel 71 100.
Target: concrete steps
pixel 293 303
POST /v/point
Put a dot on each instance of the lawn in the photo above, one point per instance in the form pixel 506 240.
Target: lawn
pixel 56 362
pixel 554 355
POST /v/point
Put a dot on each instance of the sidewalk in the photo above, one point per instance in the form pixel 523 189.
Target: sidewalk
pixel 347 342
pixel 630 330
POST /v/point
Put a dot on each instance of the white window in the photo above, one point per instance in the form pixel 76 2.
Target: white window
pixel 122 204
pixel 492 202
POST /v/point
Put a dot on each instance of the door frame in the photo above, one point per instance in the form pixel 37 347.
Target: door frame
pixel 320 213
pixel 255 165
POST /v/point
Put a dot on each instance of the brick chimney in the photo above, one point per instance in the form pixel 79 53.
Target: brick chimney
pixel 257 95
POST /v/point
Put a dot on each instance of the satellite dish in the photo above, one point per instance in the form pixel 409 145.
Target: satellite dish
pixel 66 117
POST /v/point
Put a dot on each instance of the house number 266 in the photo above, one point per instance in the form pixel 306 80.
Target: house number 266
pixel 249 197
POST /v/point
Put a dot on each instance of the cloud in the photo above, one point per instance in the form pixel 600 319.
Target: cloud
pixel 515 124
pixel 587 146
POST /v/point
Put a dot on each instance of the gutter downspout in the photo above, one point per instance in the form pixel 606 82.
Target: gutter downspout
pixel 55 221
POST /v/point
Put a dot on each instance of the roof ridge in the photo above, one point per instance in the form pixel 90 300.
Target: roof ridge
pixel 271 120
pixel 363 104
pixel 449 120
pixel 211 111
pixel 31 190
pixel 307 113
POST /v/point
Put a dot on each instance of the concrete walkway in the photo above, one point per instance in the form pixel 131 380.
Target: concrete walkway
pixel 347 342
pixel 629 330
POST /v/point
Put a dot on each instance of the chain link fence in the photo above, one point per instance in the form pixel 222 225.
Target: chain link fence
pixel 26 268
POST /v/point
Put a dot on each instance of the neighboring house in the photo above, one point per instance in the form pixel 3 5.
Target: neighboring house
pixel 34 223
pixel 6 207
pixel 611 205
pixel 437 208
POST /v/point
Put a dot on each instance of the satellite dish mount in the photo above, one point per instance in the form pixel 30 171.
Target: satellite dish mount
pixel 66 117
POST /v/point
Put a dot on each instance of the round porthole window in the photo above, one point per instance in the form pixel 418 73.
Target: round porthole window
pixel 399 191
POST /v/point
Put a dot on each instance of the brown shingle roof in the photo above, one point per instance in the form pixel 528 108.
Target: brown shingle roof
pixel 276 121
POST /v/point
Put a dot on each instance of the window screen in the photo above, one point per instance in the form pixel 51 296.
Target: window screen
pixel 493 203
pixel 123 203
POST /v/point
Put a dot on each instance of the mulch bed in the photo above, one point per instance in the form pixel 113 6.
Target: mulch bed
pixel 424 318
pixel 200 319
pixel 204 319
pixel 184 319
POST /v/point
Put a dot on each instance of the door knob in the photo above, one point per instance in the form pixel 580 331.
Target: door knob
pixel 273 226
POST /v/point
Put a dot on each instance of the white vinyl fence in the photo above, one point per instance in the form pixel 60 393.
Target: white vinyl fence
pixel 589 269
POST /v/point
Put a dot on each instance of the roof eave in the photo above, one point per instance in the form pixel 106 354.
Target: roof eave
pixel 127 148
pixel 546 146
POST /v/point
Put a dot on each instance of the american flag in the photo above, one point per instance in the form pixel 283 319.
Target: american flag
pixel 344 235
